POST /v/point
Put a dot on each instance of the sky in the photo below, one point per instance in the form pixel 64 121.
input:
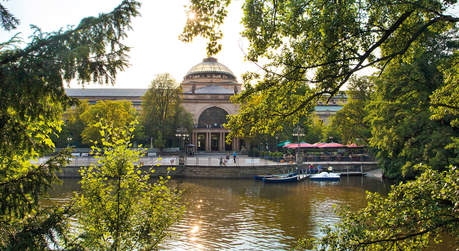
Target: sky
pixel 155 47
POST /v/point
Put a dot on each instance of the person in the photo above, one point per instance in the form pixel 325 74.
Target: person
pixel 227 157
pixel 311 168
pixel 221 161
pixel 234 157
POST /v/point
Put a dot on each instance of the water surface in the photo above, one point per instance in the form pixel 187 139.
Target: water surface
pixel 238 214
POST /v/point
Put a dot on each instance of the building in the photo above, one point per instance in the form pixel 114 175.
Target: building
pixel 206 91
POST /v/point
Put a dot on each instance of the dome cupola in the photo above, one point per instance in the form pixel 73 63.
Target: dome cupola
pixel 210 68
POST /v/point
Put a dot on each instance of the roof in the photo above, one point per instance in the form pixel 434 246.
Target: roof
pixel 210 65
pixel 104 92
pixel 213 89
pixel 327 108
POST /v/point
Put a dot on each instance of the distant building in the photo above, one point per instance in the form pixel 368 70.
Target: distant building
pixel 95 94
pixel 325 111
pixel 206 91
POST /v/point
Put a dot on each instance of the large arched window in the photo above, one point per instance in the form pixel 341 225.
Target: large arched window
pixel 212 117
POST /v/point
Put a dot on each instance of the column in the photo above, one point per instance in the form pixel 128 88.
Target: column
pixel 221 145
pixel 208 149
pixel 194 141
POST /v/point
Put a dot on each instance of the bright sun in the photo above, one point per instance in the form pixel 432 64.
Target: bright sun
pixel 191 15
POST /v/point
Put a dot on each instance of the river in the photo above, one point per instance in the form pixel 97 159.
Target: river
pixel 240 214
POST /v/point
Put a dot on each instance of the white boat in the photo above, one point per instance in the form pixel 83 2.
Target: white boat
pixel 325 176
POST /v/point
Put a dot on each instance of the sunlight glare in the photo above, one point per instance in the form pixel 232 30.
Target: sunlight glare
pixel 194 229
pixel 191 15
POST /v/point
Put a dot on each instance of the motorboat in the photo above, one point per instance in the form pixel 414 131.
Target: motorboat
pixel 325 176
pixel 261 177
pixel 285 179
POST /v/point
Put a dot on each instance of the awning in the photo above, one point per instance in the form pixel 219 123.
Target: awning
pixel 284 143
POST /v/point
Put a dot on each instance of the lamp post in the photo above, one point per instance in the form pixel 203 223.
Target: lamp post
pixel 277 142
pixel 181 133
pixel 298 132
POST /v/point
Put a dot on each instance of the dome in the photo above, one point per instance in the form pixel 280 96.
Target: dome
pixel 210 68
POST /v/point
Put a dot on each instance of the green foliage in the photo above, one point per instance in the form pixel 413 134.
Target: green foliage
pixel 445 101
pixel 399 117
pixel 73 126
pixel 8 21
pixel 33 99
pixel 121 113
pixel 412 44
pixel 321 43
pixel 412 216
pixel 350 122
pixel 256 111
pixel 23 222
pixel 204 19
pixel 162 113
pixel 119 207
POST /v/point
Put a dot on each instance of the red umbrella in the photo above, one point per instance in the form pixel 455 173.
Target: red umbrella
pixel 306 145
pixel 300 145
pixel 318 144
pixel 291 145
pixel 332 144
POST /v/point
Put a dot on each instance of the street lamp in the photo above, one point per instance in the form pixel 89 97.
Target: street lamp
pixel 298 132
pixel 181 133
pixel 69 139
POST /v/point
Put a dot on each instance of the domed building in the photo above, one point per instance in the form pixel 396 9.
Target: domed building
pixel 207 88
pixel 206 91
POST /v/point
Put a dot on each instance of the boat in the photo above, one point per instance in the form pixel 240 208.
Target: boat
pixel 261 177
pixel 285 179
pixel 325 176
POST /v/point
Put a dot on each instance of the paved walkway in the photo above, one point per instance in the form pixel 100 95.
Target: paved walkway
pixel 206 160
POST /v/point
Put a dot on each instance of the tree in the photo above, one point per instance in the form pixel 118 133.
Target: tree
pixel 320 43
pixel 120 113
pixel 73 126
pixel 350 122
pixel 33 99
pixel 400 121
pixel 409 218
pixel 119 207
pixel 162 113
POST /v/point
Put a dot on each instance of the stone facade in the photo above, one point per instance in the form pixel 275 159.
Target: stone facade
pixel 206 91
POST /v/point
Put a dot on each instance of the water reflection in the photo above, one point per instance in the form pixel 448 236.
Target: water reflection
pixel 245 214
pixel 251 215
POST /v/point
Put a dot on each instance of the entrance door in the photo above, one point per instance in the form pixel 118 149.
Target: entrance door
pixel 201 142
pixel 214 142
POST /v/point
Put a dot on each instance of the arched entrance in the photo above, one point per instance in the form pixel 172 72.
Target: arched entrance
pixel 213 117
pixel 209 134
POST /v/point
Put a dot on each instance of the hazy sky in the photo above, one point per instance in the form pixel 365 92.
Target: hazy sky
pixel 154 38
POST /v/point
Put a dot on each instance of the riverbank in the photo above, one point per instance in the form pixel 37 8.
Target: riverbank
pixel 211 167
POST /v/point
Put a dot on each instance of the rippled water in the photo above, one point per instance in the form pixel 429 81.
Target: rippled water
pixel 250 215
